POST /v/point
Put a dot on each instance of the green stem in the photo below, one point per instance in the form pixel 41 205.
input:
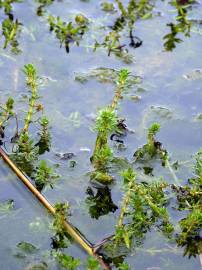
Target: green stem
pixel 32 101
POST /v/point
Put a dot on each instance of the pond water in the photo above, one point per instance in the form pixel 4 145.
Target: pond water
pixel 169 93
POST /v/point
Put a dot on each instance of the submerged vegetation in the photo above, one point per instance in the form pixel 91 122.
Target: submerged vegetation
pixel 143 192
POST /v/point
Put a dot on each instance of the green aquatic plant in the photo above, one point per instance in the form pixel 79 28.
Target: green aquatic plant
pixel 189 199
pixel 152 148
pixel 10 30
pixel 7 5
pixel 68 32
pixel 7 206
pixel 143 206
pixel 113 45
pixel 182 25
pixel 60 239
pixel 124 266
pixel 42 5
pixel 45 175
pixel 5 113
pixel 44 142
pixel 26 154
pixel 107 123
pixel 66 261
pixel 107 75
pixel 25 150
pixel 108 7
pixel 92 264
pixel 32 81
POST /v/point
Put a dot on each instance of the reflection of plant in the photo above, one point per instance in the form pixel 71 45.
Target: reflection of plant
pixel 100 203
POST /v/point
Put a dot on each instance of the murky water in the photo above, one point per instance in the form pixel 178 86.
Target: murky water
pixel 167 95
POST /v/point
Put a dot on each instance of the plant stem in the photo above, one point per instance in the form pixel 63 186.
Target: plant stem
pixel 32 100
pixel 125 203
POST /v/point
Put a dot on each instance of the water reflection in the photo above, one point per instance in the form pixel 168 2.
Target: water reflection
pixel 99 201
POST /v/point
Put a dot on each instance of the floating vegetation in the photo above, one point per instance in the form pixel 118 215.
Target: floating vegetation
pixel 10 30
pixel 183 25
pixel 68 32
pixel 108 7
pixel 10 27
pixel 7 206
pixel 42 5
pixel 106 75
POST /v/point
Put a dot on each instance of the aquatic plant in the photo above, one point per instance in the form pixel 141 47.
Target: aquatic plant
pixel 108 7
pixel 7 5
pixel 92 264
pixel 26 154
pixel 32 82
pixel 124 266
pixel 152 148
pixel 10 30
pixel 60 239
pixel 45 175
pixel 107 123
pixel 68 32
pixel 183 25
pixel 44 142
pixel 42 5
pixel 66 261
pixel 5 113
pixel 142 207
pixel 25 150
pixel 189 198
